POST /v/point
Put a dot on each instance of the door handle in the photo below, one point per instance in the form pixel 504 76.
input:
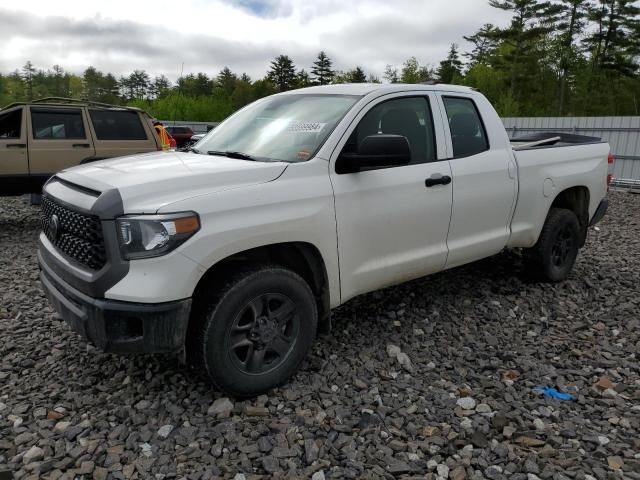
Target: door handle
pixel 81 145
pixel 437 179
pixel 16 145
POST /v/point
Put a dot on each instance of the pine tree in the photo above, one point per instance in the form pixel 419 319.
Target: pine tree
pixel 615 46
pixel 159 86
pixel 138 83
pixel 227 80
pixel 92 82
pixel 109 89
pixel 451 67
pixel 321 70
pixel 28 71
pixel 521 38
pixel 203 85
pixel 484 43
pixel 569 23
pixel 58 75
pixel 282 73
pixel 302 79
pixel 391 74
pixel 357 75
pixel 412 72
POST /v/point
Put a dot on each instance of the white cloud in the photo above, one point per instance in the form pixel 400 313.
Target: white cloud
pixel 121 35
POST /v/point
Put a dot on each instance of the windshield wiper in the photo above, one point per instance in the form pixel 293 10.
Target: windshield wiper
pixel 191 149
pixel 231 154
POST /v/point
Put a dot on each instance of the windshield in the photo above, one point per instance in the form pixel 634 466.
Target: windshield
pixel 287 128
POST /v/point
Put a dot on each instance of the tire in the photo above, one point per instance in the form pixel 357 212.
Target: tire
pixel 554 254
pixel 255 331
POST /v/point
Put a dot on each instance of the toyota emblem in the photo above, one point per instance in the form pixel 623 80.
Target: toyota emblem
pixel 54 226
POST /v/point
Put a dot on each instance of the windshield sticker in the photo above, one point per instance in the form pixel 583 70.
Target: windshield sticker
pixel 304 154
pixel 309 127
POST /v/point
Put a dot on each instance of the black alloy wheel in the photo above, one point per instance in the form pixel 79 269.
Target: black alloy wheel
pixel 264 333
pixel 563 247
pixel 251 333
pixel 554 254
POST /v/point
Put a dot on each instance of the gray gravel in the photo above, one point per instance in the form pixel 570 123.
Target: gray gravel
pixel 432 379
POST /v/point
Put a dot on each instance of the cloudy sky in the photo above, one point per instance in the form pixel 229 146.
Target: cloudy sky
pixel 121 35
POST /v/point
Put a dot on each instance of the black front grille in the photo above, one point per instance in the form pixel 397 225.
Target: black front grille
pixel 76 234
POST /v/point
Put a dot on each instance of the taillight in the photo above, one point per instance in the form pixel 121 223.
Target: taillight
pixel 610 160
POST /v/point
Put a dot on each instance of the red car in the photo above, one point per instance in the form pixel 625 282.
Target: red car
pixel 182 135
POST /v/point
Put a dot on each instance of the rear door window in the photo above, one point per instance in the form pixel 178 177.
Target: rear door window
pixel 468 134
pixel 57 124
pixel 11 124
pixel 117 125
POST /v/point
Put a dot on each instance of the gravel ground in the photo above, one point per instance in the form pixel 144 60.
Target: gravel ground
pixel 432 379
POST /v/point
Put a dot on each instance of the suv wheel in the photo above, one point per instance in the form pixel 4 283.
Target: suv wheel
pixel 255 331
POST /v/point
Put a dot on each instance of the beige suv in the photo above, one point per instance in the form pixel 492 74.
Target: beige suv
pixel 40 138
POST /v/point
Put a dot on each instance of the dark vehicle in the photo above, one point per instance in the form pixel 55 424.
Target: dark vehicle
pixel 182 135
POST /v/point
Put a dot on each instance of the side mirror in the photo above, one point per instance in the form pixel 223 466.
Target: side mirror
pixel 376 151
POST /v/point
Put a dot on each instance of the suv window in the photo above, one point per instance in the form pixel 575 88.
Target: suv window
pixel 11 124
pixel 467 131
pixel 410 117
pixel 117 125
pixel 57 124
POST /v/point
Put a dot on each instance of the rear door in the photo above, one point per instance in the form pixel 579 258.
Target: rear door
pixel 484 179
pixel 119 132
pixel 58 139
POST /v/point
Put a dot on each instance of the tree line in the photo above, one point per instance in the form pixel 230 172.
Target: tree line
pixel 554 58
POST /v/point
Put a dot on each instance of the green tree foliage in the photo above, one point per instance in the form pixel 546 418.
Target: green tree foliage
pixel 227 80
pixel 450 69
pixel 321 71
pixel 102 88
pixel 559 57
pixel 391 74
pixel 28 72
pixel 413 72
pixel 357 75
pixel 282 73
pixel 159 87
pixel 302 79
pixel 484 43
pixel 554 57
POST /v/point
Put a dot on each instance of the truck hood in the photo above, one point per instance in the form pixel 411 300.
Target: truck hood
pixel 148 182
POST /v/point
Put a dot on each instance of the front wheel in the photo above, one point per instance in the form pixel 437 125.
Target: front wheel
pixel 555 253
pixel 255 331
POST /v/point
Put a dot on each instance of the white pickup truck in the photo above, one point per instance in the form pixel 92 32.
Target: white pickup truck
pixel 236 251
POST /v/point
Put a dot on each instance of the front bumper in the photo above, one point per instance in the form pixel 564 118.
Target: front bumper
pixel 118 327
pixel 600 212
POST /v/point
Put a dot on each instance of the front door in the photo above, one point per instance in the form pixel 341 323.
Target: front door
pixel 391 226
pixel 14 159
pixel 59 138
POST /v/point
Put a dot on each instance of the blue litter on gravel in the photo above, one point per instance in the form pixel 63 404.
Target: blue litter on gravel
pixel 553 393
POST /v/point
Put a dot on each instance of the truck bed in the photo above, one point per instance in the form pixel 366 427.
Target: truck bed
pixel 551 140
pixel 545 170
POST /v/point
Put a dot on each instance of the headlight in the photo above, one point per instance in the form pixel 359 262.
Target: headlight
pixel 144 236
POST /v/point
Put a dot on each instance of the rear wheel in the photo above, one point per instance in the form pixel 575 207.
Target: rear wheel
pixel 255 331
pixel 555 253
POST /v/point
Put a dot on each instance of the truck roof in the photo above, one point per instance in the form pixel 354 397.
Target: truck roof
pixel 366 88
